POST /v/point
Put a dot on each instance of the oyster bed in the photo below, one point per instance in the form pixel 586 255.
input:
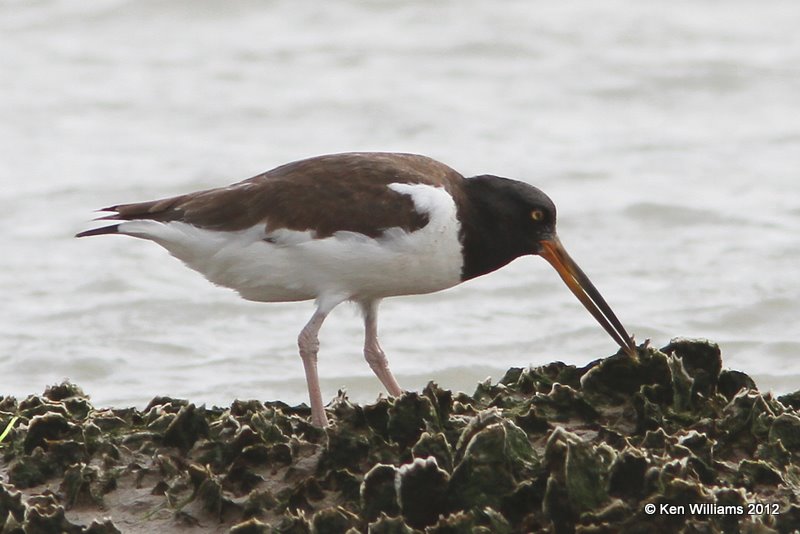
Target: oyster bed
pixel 553 448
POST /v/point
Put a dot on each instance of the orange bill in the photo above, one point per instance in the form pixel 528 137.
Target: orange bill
pixel 590 297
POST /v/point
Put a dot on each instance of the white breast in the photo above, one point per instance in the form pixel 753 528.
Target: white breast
pixel 287 265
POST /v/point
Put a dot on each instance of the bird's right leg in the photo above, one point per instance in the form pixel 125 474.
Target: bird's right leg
pixel 373 352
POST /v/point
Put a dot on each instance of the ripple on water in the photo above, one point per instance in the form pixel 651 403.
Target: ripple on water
pixel 672 214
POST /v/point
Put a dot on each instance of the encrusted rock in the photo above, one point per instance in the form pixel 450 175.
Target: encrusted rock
pixel 554 448
pixel 618 377
pixel 333 520
pixel 702 361
pixel 435 446
pixel 378 492
pixel 186 428
pixel 786 429
pixel 421 490
pixel 389 525
pixel 492 453
pixel 409 416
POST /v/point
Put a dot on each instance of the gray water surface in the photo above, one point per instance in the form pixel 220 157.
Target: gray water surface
pixel 668 133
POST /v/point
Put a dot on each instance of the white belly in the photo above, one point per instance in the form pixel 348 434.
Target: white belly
pixel 286 265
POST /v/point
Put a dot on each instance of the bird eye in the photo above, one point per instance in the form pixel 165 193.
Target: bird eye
pixel 537 215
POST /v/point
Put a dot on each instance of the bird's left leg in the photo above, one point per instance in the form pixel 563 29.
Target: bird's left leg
pixel 308 343
pixel 372 350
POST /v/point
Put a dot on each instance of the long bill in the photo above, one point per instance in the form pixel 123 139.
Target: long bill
pixel 584 289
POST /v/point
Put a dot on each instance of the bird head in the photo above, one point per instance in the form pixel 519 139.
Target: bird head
pixel 529 218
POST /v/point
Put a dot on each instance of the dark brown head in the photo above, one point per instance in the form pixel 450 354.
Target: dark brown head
pixel 508 219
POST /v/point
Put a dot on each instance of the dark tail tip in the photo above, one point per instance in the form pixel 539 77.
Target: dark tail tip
pixel 114 229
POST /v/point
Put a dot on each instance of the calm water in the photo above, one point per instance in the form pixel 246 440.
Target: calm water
pixel 668 134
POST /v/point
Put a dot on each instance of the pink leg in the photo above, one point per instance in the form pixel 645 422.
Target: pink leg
pixel 308 342
pixel 374 353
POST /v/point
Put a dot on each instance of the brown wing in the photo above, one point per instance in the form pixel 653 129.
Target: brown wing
pixel 324 194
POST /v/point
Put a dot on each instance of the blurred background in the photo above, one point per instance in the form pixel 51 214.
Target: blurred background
pixel 668 134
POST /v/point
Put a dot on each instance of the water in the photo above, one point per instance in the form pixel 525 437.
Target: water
pixel 666 132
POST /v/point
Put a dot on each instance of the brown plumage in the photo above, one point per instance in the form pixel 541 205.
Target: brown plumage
pixel 325 194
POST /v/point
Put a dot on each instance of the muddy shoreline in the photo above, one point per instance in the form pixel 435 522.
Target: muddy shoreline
pixel 553 448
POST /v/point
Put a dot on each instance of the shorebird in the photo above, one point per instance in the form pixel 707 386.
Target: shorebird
pixel 357 227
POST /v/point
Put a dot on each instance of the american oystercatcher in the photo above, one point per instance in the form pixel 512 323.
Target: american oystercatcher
pixel 357 227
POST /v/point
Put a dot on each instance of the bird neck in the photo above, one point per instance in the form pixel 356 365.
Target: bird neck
pixel 489 236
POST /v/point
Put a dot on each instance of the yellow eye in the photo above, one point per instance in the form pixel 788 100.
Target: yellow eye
pixel 537 215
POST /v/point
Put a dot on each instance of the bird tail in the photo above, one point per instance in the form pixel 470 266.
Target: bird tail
pixel 113 229
pixel 156 210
